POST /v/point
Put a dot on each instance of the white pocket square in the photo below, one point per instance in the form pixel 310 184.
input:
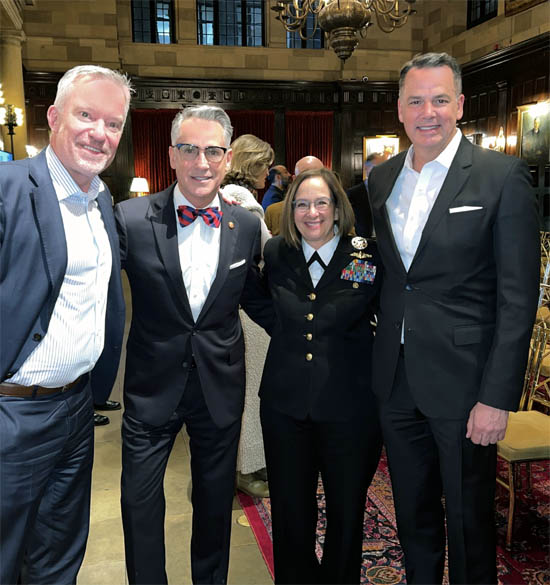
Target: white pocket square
pixel 464 208
pixel 237 264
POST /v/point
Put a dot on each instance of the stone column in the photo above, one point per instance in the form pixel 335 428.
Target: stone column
pixel 11 77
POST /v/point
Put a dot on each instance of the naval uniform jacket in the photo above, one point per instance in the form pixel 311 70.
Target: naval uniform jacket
pixel 319 360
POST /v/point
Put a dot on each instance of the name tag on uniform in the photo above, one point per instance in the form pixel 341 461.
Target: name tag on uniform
pixel 359 271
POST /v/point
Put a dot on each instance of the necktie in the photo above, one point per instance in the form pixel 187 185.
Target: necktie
pixel 316 258
pixel 212 215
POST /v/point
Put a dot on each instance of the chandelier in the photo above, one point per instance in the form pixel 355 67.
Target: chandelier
pixel 342 20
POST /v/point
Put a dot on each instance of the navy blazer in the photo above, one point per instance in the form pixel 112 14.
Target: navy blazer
pixel 470 295
pixel 164 339
pixel 33 260
pixel 319 359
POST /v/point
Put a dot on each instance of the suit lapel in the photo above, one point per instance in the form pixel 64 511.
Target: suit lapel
pixel 49 221
pixel 163 221
pixel 294 259
pixel 228 239
pixel 459 171
pixel 392 169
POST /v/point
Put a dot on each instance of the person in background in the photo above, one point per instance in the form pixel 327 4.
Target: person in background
pixel 191 259
pixel 458 232
pixel 358 196
pixel 279 179
pixel 62 316
pixel 109 405
pixel 317 410
pixel 247 172
pixel 274 211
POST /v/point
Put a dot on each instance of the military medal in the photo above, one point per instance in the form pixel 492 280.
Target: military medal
pixel 360 243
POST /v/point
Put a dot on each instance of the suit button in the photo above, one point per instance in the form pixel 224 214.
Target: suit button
pixel 397 325
pixel 309 316
pixel 10 375
pixel 185 365
pixel 408 287
pixel 355 285
pixel 309 356
pixel 309 336
pixel 37 337
pixel 193 333
pixel 311 296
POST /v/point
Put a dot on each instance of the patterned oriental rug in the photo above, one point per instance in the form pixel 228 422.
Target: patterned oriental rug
pixel 527 563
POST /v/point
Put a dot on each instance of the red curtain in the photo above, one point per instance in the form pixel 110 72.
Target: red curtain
pixel 261 123
pixel 308 133
pixel 151 139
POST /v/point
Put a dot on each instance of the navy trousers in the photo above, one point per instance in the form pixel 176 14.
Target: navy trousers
pixel 145 453
pixel 46 455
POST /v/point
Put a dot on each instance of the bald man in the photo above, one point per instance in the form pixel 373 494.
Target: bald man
pixel 273 212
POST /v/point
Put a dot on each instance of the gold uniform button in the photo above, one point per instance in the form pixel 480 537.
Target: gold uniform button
pixel 311 296
pixel 309 336
pixel 309 356
pixel 309 316
pixel 355 285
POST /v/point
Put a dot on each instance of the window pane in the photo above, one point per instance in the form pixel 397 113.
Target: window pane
pixel 235 22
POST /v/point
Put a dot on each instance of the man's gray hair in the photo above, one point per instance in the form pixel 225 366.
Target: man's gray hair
pixel 65 85
pixel 425 60
pixel 211 113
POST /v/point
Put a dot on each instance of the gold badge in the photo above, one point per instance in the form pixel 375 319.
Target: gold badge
pixel 230 225
pixel 360 243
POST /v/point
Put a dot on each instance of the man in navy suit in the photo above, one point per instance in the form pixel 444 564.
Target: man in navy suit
pixel 62 321
pixel 458 231
pixel 191 259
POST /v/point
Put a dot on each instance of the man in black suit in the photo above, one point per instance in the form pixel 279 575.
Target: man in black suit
pixel 358 196
pixel 457 230
pixel 190 259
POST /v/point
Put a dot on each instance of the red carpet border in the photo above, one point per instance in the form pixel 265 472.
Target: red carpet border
pixel 527 563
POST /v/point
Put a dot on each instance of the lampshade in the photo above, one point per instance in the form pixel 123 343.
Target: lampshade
pixel 139 185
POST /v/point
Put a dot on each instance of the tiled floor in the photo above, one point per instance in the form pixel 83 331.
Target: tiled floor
pixel 104 560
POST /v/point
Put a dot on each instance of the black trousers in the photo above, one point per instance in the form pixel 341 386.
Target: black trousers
pixel 145 453
pixel 346 454
pixel 430 458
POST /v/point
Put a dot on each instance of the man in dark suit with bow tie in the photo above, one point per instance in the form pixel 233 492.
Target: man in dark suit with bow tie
pixel 191 259
pixel 457 230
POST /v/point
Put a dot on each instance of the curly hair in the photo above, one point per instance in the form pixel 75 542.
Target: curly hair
pixel 251 156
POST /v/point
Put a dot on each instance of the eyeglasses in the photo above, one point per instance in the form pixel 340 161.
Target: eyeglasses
pixel 303 206
pixel 212 154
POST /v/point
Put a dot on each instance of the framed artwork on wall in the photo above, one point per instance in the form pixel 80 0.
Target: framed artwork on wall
pixel 534 133
pixel 387 146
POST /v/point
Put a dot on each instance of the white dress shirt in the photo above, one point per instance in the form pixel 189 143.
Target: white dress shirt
pixel 326 252
pixel 76 332
pixel 413 197
pixel 199 252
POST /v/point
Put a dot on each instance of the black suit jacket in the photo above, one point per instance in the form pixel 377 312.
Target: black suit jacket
pixel 358 196
pixel 33 260
pixel 335 383
pixel 164 339
pixel 470 295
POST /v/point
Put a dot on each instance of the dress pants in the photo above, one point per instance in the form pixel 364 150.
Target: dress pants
pixel 46 455
pixel 429 458
pixel 346 454
pixel 145 452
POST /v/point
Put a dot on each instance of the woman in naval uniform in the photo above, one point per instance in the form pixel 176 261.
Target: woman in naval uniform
pixel 317 410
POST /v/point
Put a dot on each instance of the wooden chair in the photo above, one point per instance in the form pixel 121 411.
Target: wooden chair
pixel 528 433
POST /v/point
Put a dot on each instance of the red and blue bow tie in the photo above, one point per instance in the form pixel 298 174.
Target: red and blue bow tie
pixel 212 215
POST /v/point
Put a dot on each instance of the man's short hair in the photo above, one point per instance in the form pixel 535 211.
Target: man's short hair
pixel 65 84
pixel 210 113
pixel 430 60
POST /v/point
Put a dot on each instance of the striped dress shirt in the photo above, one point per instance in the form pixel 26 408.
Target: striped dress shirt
pixel 76 332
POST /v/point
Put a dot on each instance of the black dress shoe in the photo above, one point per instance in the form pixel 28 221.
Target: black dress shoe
pixel 108 405
pixel 100 420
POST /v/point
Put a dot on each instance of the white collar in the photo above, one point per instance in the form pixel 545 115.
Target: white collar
pixel 445 157
pixel 326 251
pixel 181 199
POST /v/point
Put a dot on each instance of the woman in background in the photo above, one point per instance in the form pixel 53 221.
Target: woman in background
pixel 317 410
pixel 248 170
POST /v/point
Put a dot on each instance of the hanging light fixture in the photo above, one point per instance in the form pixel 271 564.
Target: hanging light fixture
pixel 342 20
